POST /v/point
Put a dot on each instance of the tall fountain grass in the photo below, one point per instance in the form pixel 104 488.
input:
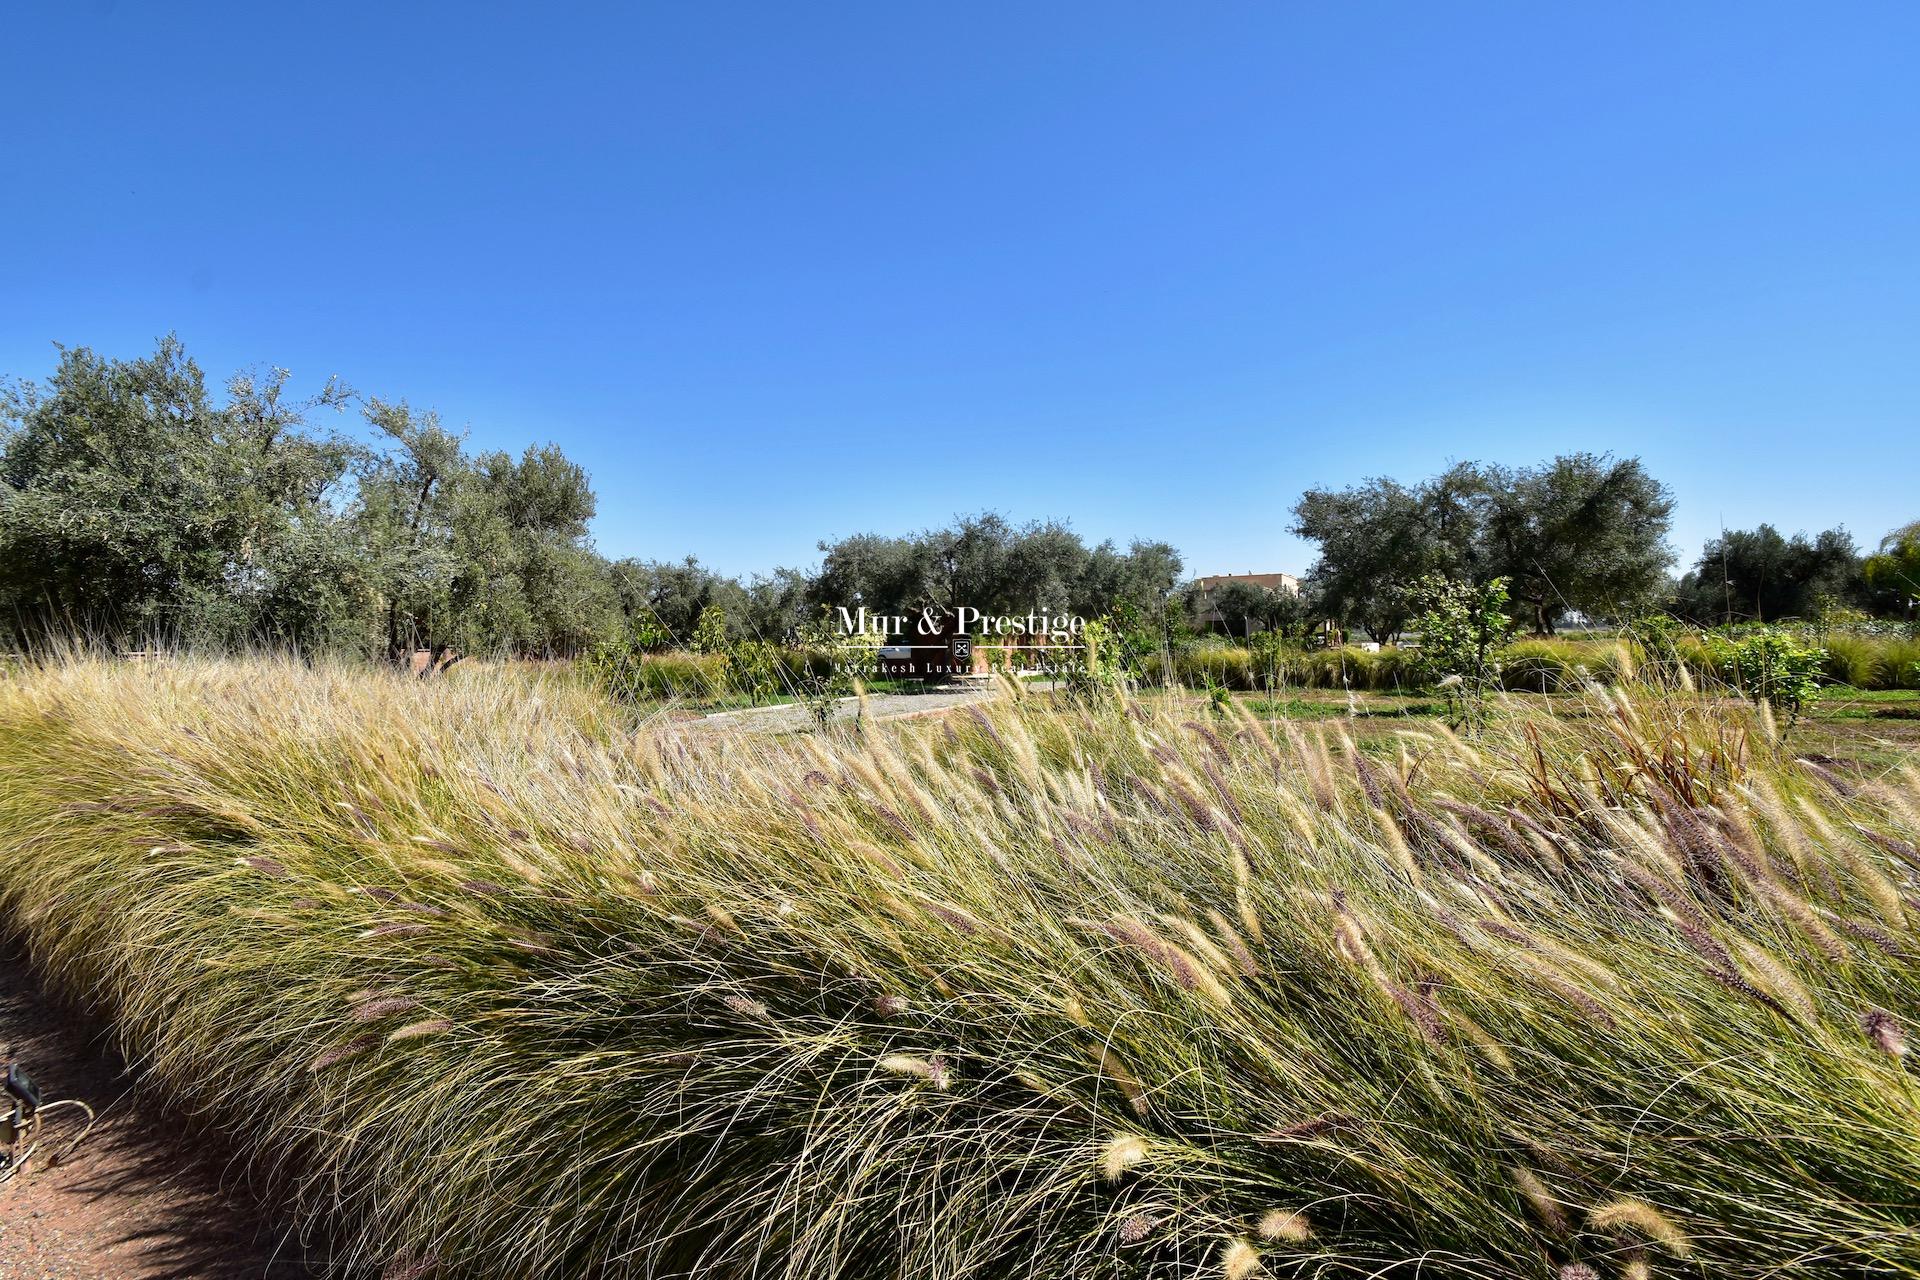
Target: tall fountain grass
pixel 504 985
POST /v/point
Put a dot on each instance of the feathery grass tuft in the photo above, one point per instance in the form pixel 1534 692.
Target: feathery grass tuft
pixel 503 980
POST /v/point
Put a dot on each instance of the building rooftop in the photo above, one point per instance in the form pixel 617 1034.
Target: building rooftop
pixel 1271 581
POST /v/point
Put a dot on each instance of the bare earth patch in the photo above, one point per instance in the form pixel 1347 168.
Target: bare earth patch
pixel 795 718
pixel 139 1200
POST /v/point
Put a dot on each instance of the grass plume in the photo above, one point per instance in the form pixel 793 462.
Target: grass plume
pixel 1041 990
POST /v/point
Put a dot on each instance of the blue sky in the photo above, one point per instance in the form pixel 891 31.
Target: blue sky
pixel 780 272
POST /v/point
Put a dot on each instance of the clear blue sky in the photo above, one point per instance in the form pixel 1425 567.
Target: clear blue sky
pixel 1154 269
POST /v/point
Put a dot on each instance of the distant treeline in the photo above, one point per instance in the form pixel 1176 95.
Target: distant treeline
pixel 1584 535
pixel 138 506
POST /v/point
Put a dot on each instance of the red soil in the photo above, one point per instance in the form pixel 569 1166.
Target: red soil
pixel 139 1200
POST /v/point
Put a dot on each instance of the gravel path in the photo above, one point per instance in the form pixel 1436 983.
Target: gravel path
pixel 793 717
pixel 139 1200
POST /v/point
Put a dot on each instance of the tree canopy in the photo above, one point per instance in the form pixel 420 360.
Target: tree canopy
pixel 1758 575
pixel 1379 538
pixel 133 504
pixel 130 501
pixel 1242 606
pixel 985 562
pixel 1584 532
pixel 1893 573
pixel 137 505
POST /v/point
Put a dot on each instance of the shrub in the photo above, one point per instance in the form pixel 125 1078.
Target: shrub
pixel 1208 665
pixel 1775 668
pixel 1868 656
pixel 755 670
pixel 632 676
pixel 750 669
pixel 1351 666
pixel 1616 663
pixel 1541 666
pixel 826 668
pixel 1277 664
pixel 1462 626
pixel 1103 671
pixel 1900 658
pixel 1856 660
pixel 680 675
pixel 710 632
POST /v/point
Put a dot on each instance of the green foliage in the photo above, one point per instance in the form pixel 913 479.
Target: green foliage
pixel 1102 670
pixel 1583 532
pixel 1275 665
pixel 1856 657
pixel 710 632
pixel 1142 640
pixel 1659 636
pixel 1829 612
pixel 1245 607
pixel 1462 627
pixel 478 554
pixel 1893 573
pixel 1773 666
pixel 630 673
pixel 1543 665
pixel 834 667
pixel 1354 667
pixel 135 507
pixel 650 637
pixel 1855 660
pixel 668 598
pixel 1380 538
pixel 989 564
pixel 1755 575
pixel 1538 664
pixel 1205 665
pixel 750 671
pixel 132 504
pixel 753 669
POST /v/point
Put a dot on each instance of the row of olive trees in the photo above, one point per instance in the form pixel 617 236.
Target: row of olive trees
pixel 981 561
pixel 1583 533
pixel 992 565
pixel 1759 575
pixel 138 505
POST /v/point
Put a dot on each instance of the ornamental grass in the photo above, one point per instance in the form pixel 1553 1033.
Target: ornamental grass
pixel 501 982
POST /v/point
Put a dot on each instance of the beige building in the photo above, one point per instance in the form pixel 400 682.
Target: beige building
pixel 1207 616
